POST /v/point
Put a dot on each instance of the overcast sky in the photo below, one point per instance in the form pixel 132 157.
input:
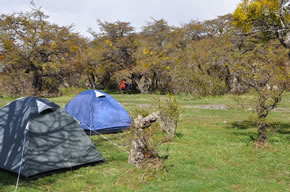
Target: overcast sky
pixel 84 13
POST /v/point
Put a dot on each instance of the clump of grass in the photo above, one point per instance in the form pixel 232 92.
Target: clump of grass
pixel 70 91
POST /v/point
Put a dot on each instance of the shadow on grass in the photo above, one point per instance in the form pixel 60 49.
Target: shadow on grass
pixel 247 130
pixel 7 178
pixel 280 128
pixel 242 124
pixel 116 91
pixel 277 127
pixel 250 135
pixel 179 135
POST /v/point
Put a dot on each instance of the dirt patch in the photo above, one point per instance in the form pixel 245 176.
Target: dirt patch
pixel 209 106
pixel 281 110
pixel 137 105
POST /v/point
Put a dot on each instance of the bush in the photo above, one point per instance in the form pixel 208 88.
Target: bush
pixel 15 85
pixel 169 114
pixel 70 91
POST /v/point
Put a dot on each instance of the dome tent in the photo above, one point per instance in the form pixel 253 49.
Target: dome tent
pixel 99 112
pixel 38 136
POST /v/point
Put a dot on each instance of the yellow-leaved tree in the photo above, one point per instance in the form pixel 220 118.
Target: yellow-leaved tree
pixel 269 17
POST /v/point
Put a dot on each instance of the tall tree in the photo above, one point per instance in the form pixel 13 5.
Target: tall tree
pixel 155 51
pixel 269 17
pixel 111 51
pixel 33 47
pixel 260 62
pixel 204 56
pixel 264 69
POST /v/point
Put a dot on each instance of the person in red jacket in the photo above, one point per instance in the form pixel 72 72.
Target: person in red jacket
pixel 123 84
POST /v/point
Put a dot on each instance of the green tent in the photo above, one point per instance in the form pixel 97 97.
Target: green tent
pixel 37 136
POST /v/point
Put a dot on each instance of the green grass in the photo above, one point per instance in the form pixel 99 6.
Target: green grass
pixel 213 151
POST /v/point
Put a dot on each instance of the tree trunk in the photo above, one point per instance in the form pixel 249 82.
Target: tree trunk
pixel 135 77
pixel 237 87
pixel 140 82
pixel 262 132
pixel 37 82
pixel 140 153
pixel 228 80
pixel 154 83
pixel 92 81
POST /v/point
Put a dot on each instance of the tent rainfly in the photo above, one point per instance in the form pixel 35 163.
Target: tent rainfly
pixel 37 136
pixel 99 112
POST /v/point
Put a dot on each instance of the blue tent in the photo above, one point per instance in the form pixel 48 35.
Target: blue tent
pixel 98 111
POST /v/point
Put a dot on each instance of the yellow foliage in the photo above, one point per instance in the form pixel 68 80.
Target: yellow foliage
pixel 176 60
pixel 146 65
pixel 108 42
pixel 100 70
pixel 53 67
pixel 287 17
pixel 90 54
pixel 73 48
pixel 247 11
pixel 25 22
pixel 144 51
pixel 7 44
pixel 53 45
pixel 166 58
pixel 241 17
pixel 42 25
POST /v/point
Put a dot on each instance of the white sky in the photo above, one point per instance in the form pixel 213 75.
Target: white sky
pixel 84 13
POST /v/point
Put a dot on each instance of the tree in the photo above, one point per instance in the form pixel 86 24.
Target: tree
pixel 155 53
pixel 269 17
pixel 203 59
pixel 219 26
pixel 263 69
pixel 111 51
pixel 260 62
pixel 34 49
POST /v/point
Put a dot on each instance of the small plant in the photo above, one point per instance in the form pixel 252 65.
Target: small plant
pixel 145 142
pixel 68 91
pixel 169 114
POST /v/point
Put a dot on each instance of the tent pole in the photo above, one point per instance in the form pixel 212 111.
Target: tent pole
pixel 22 154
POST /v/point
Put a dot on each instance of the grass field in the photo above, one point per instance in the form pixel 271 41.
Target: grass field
pixel 213 151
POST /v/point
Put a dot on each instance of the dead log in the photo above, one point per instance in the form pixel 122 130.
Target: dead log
pixel 168 125
pixel 140 153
